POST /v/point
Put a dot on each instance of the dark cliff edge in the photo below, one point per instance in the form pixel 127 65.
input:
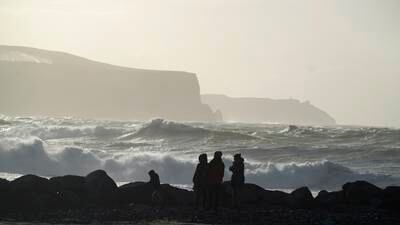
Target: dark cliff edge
pixel 49 83
pixel 96 197
pixel 258 110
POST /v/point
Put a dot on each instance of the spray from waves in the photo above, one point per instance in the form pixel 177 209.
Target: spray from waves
pixel 160 128
pixel 4 122
pixel 33 156
pixel 57 132
pixel 316 175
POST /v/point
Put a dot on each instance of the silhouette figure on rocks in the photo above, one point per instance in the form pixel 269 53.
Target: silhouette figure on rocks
pixel 216 169
pixel 237 179
pixel 200 181
pixel 157 196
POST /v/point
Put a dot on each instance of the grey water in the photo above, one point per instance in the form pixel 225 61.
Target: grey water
pixel 277 156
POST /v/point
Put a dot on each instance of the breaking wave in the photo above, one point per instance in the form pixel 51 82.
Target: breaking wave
pixel 58 132
pixel 159 128
pixel 34 156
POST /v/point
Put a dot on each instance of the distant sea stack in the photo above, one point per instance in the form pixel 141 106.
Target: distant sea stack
pixel 258 110
pixel 47 83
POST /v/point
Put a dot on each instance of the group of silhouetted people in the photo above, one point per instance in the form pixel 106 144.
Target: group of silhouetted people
pixel 207 181
pixel 208 178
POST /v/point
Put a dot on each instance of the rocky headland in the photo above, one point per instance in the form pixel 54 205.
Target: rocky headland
pixel 259 110
pixel 36 82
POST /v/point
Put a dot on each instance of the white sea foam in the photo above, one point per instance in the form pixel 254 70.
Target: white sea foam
pixel 22 156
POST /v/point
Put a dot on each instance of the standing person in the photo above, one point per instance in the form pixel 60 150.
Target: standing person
pixel 216 169
pixel 200 181
pixel 237 179
pixel 156 196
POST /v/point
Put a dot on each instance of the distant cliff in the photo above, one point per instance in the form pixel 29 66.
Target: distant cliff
pixel 256 110
pixel 40 82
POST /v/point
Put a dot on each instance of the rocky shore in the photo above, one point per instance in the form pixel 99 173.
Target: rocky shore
pixel 96 198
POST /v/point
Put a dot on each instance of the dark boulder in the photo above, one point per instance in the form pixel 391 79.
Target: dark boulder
pixel 31 192
pixel 177 196
pixel 391 198
pixel 101 189
pixel 4 185
pixel 4 193
pixel 253 194
pixel 329 199
pixel 301 198
pixel 141 193
pixel 362 193
pixel 31 183
pixel 71 191
pixel 276 198
pixel 136 192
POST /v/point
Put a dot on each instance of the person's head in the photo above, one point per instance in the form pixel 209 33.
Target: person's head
pixel 203 158
pixel 152 172
pixel 218 155
pixel 237 157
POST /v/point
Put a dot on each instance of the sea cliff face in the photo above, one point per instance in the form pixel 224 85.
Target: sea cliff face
pixel 47 83
pixel 258 110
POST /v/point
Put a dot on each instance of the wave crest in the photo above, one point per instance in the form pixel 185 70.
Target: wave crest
pixel 160 128
pixel 34 156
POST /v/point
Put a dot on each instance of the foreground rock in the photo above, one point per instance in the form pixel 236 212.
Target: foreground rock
pixel 362 192
pixel 141 193
pixel 101 189
pixel 33 194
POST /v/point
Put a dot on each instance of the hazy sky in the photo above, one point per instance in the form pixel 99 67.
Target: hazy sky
pixel 343 56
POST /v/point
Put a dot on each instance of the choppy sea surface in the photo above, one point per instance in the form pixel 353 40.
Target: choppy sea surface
pixel 276 156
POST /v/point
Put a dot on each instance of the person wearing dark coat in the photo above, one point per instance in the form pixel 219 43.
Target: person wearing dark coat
pixel 216 169
pixel 154 180
pixel 200 181
pixel 237 179
pixel 156 196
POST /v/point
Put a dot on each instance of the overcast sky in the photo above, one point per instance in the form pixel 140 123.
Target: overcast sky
pixel 343 56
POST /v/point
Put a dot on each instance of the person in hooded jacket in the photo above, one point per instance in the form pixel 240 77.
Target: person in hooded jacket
pixel 237 179
pixel 200 181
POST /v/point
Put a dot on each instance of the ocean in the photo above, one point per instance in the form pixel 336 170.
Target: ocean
pixel 277 156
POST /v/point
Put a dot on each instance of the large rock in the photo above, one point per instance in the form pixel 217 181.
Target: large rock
pixel 362 192
pixel 254 195
pixel 276 198
pixel 329 199
pixel 391 198
pixel 71 191
pixel 141 193
pixel 101 188
pixel 4 193
pixel 301 198
pixel 31 192
pixel 4 185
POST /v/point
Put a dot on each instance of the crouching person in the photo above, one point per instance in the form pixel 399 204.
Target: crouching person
pixel 157 197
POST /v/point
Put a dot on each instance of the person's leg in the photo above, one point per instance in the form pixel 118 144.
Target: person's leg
pixel 204 193
pixel 238 196
pixel 196 198
pixel 234 195
pixel 217 193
